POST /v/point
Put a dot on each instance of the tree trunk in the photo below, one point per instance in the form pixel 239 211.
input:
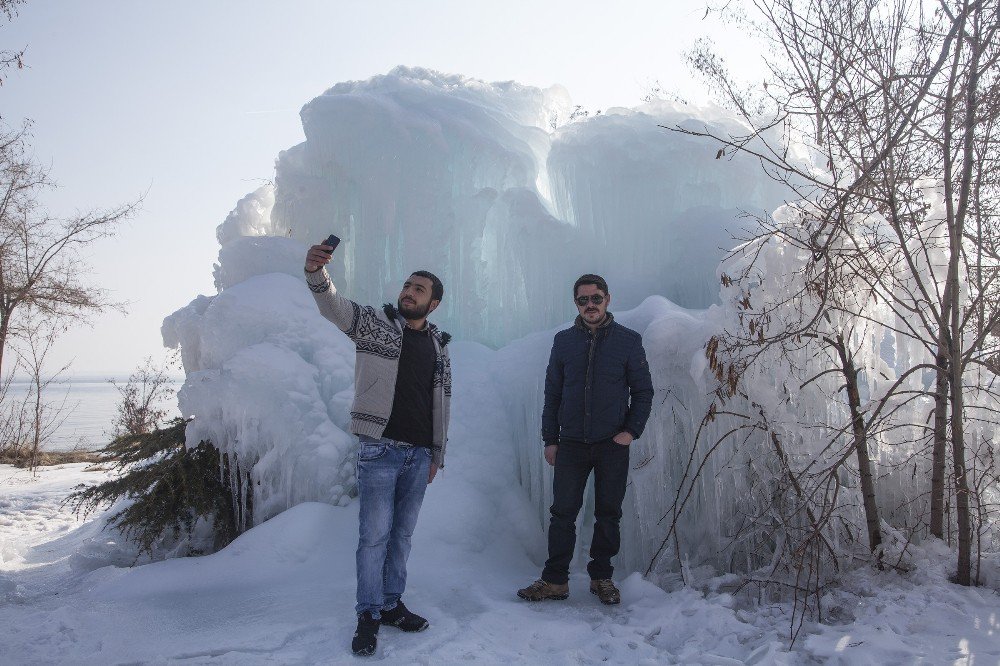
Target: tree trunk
pixel 36 434
pixel 964 574
pixel 956 230
pixel 4 331
pixel 940 454
pixel 861 446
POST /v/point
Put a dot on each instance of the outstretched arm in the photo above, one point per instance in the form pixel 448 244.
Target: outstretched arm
pixel 341 311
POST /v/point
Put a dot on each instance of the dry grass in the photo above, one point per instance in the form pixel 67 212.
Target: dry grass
pixel 51 458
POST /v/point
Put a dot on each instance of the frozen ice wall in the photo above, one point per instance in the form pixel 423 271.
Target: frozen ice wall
pixel 269 382
pixel 488 186
pixel 419 170
pixel 654 209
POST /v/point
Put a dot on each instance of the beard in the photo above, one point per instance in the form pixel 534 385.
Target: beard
pixel 411 311
pixel 594 317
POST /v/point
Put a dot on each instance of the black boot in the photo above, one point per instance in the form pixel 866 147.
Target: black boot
pixel 365 637
pixel 401 617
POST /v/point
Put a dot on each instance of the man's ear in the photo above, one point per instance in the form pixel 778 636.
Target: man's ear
pixel 433 306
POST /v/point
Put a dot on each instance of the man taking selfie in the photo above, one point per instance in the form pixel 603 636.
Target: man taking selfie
pixel 402 391
pixel 598 395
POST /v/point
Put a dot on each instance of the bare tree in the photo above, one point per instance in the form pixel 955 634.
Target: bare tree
pixel 41 264
pixel 43 287
pixel 10 58
pixel 884 115
pixel 29 417
pixel 140 409
pixel 41 416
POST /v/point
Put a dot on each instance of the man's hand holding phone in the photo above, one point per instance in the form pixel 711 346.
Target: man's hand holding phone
pixel 320 255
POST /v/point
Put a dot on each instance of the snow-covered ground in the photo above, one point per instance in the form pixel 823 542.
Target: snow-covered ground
pixel 284 591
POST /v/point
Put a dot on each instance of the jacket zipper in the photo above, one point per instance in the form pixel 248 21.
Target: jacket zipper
pixel 586 387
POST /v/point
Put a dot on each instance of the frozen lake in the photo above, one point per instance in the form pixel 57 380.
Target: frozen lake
pixel 89 405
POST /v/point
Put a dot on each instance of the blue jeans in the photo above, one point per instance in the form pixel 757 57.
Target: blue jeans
pixel 392 479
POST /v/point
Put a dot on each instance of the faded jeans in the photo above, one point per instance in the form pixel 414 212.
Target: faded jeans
pixel 392 479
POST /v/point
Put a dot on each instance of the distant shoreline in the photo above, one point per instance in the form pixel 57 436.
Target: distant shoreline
pixel 90 406
pixel 51 458
pixel 94 379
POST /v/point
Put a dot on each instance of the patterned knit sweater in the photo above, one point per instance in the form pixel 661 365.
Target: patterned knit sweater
pixel 378 338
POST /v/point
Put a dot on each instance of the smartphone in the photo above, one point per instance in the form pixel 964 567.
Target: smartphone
pixel 332 241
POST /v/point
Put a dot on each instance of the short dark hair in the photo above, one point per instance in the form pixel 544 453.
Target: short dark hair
pixel 590 278
pixel 437 288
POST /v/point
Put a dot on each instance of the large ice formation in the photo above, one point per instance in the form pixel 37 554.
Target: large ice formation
pixel 496 190
pixel 490 187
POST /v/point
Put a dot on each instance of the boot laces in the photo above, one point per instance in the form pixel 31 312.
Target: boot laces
pixel 605 586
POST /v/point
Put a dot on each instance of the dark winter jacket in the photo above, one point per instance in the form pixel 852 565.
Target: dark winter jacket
pixel 589 381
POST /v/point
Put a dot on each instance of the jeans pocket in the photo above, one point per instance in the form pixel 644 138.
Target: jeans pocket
pixel 371 450
pixel 620 449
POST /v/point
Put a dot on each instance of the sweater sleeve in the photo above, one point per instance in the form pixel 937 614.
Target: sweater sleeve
pixel 439 450
pixel 341 311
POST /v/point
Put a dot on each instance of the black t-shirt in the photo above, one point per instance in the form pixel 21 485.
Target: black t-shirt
pixel 411 420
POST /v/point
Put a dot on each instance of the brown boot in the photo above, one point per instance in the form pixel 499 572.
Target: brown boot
pixel 606 591
pixel 541 590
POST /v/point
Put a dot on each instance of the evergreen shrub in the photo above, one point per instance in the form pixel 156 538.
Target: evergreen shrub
pixel 170 485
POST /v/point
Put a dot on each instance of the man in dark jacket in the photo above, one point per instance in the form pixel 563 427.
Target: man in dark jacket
pixel 598 395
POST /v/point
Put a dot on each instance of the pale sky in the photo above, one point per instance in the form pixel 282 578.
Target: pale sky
pixel 189 103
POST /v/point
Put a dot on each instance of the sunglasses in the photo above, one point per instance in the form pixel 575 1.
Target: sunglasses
pixel 596 299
